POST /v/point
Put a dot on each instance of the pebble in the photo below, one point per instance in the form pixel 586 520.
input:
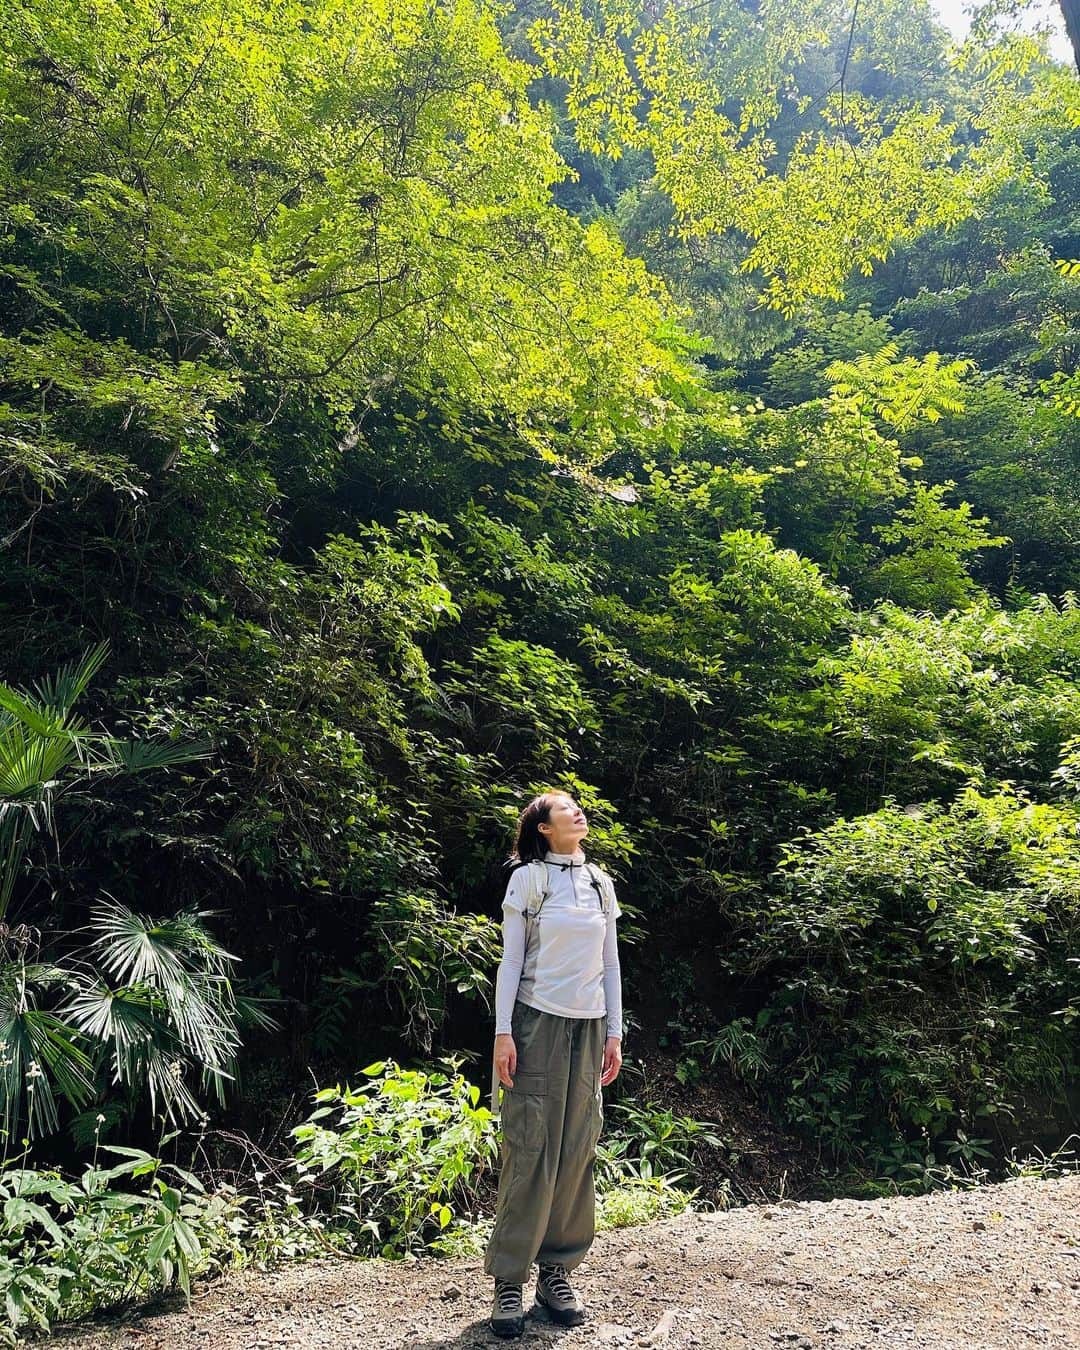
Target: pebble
pixel 966 1290
pixel 661 1331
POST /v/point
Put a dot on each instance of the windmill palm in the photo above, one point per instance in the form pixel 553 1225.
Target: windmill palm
pixel 42 738
pixel 144 1000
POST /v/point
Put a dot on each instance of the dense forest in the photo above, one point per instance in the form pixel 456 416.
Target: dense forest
pixel 408 407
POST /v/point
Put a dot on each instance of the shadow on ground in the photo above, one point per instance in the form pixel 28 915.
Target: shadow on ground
pixel 538 1327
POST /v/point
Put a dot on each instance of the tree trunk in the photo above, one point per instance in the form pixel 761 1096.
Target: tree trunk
pixel 1071 10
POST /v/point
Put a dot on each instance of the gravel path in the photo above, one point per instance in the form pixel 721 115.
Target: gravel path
pixel 996 1267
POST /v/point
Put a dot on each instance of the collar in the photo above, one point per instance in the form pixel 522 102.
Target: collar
pixel 565 860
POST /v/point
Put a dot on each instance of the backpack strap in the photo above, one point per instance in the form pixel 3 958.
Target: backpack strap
pixel 601 883
pixel 537 894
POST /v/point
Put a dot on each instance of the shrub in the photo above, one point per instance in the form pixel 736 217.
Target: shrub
pixel 69 1247
pixel 407 1149
pixel 637 1200
pixel 649 1143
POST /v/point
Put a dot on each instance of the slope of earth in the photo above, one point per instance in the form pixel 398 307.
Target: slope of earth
pixel 995 1267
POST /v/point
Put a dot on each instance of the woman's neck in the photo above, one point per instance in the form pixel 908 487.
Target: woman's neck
pixel 565 849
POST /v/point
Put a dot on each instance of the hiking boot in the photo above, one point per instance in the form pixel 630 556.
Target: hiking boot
pixel 554 1293
pixel 507 1314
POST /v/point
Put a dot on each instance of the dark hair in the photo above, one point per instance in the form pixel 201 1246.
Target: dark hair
pixel 529 843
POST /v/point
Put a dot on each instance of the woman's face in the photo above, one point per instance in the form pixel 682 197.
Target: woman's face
pixel 566 821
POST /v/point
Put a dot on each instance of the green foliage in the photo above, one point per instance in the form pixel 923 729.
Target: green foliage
pixel 649 1142
pixel 71 1247
pixel 919 703
pixel 423 950
pixel 931 572
pixel 522 692
pixel 259 218
pixel 703 89
pixel 134 1015
pixel 631 1202
pixel 45 747
pixel 409 492
pixel 143 1002
pixel 933 945
pixel 406 1149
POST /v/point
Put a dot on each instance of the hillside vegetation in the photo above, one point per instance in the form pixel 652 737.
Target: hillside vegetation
pixel 406 407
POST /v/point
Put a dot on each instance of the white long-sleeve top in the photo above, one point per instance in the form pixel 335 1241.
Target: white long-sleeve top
pixel 571 966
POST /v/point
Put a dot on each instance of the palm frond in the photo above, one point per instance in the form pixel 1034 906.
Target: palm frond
pixel 139 756
pixel 14 833
pixel 250 1013
pixel 116 1019
pixel 31 764
pixel 142 1049
pixel 201 1016
pixel 39 1056
pixel 46 722
pixel 160 1000
pixel 134 947
pixel 131 948
pixel 63 689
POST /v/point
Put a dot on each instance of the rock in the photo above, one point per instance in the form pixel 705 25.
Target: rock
pixel 909 1257
pixel 661 1331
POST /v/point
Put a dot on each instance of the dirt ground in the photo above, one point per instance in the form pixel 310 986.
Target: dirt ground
pixel 996 1267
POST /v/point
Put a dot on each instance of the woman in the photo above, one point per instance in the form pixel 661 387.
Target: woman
pixel 558 1042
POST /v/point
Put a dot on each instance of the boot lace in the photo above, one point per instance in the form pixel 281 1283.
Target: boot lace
pixel 555 1279
pixel 507 1296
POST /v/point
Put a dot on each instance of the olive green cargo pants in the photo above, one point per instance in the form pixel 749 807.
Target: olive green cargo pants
pixel 551 1121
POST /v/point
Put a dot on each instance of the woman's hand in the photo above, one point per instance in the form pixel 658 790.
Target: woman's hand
pixel 505 1058
pixel 609 1070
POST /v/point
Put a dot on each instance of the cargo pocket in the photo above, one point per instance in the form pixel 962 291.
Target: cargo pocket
pixel 523 1112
